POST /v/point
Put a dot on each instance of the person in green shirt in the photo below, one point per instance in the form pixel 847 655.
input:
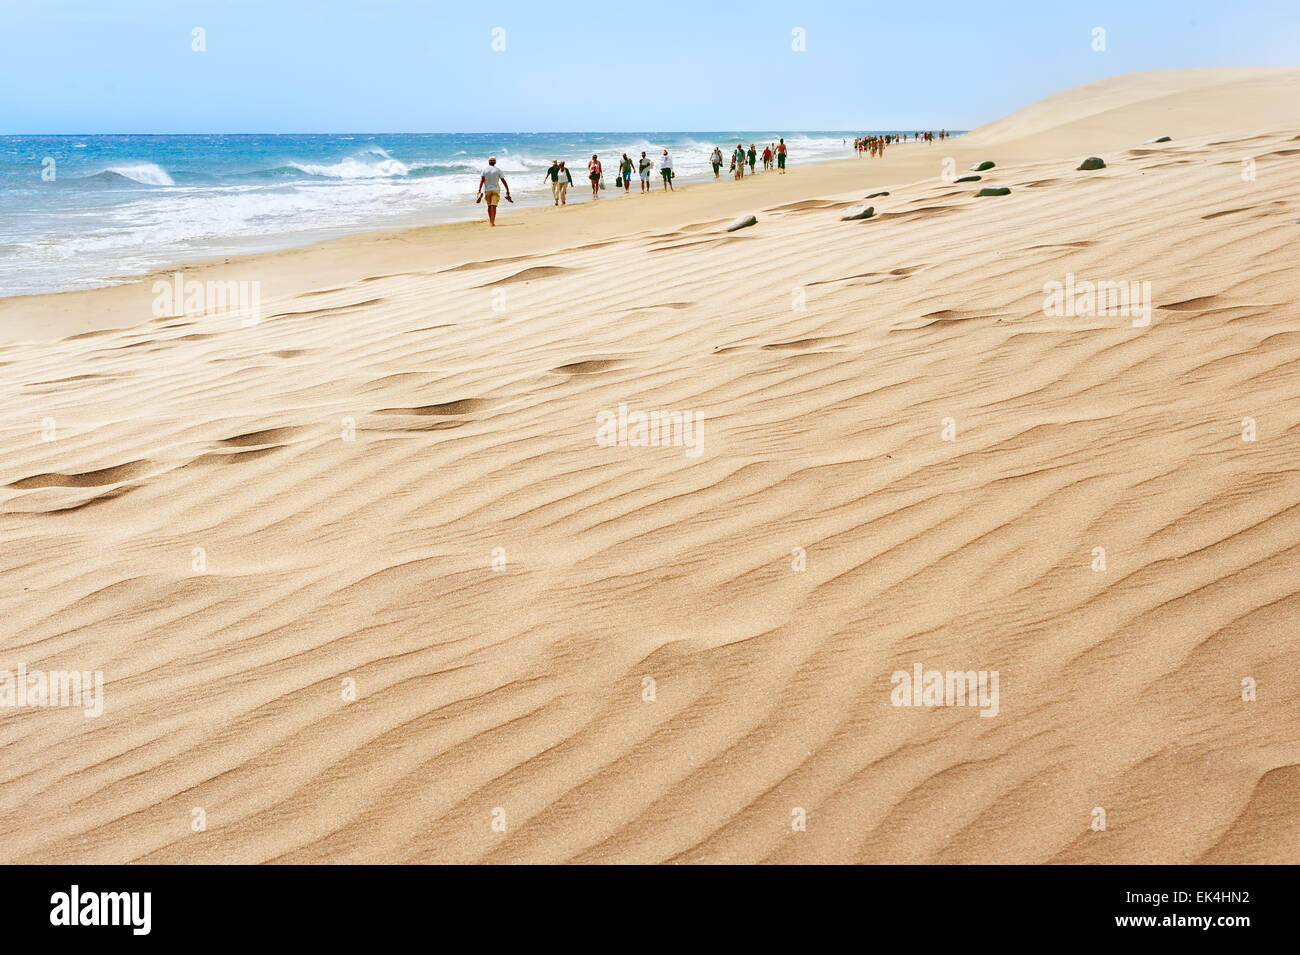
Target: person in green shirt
pixel 553 174
pixel 646 165
pixel 625 173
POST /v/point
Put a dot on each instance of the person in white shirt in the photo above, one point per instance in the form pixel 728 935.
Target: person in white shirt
pixel 489 184
pixel 666 170
pixel 565 181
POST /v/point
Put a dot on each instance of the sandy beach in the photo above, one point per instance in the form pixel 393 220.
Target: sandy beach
pixel 365 583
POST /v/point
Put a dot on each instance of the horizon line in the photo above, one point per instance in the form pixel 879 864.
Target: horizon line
pixel 532 132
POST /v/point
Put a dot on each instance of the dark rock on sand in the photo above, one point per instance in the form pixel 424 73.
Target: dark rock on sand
pixel 1158 139
pixel 981 166
pixel 969 179
pixel 875 194
pixel 858 212
pixel 1092 162
pixel 994 191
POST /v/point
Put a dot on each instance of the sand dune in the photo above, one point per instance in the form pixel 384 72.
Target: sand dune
pixel 394 479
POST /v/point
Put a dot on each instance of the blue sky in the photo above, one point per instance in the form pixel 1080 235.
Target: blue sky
pixel 76 66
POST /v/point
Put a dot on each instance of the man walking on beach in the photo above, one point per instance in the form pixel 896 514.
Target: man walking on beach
pixel 553 174
pixel 666 170
pixel 739 157
pixel 489 184
pixel 780 157
pixel 716 159
pixel 625 173
pixel 646 165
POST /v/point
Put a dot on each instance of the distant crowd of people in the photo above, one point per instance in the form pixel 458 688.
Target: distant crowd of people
pixel 560 178
pixel 773 156
pixel 875 145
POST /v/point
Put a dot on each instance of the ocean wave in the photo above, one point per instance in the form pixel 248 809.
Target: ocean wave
pixel 371 164
pixel 145 173
pixel 274 172
pixel 354 169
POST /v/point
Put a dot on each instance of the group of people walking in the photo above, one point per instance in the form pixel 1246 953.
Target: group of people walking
pixel 560 177
pixel 773 157
pixel 876 143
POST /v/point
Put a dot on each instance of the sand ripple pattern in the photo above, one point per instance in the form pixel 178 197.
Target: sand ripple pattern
pixel 351 466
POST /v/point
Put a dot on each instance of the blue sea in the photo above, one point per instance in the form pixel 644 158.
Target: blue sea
pixel 85 211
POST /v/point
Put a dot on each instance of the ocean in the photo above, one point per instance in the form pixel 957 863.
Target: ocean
pixel 85 211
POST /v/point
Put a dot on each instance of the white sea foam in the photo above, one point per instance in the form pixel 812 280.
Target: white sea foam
pixel 147 173
pixel 372 164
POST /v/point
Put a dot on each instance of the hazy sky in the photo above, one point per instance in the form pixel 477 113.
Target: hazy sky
pixel 85 66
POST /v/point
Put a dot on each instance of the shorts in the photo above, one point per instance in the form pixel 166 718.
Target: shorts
pixel 627 177
pixel 780 160
pixel 645 174
pixel 716 167
pixel 493 197
pixel 666 173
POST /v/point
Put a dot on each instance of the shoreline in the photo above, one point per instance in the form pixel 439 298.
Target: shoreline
pixel 1168 106
pixel 290 271
pixel 450 202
